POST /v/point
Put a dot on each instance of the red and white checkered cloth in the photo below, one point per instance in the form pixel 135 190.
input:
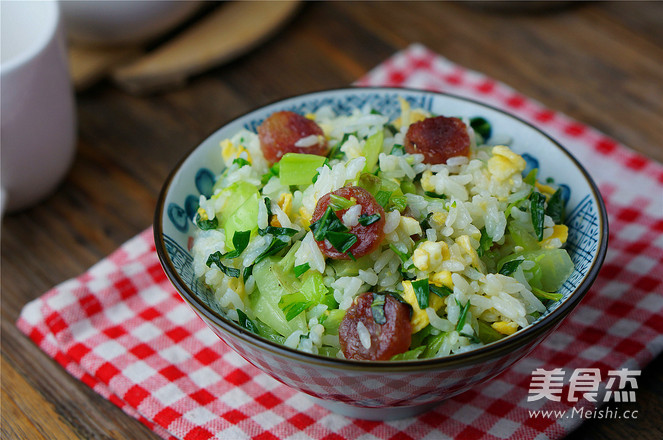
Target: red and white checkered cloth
pixel 121 328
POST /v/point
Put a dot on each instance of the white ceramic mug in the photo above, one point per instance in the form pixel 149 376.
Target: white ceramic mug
pixel 38 132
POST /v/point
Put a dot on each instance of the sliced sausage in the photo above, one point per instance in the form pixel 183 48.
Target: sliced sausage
pixel 283 131
pixel 386 340
pixel 369 237
pixel 438 139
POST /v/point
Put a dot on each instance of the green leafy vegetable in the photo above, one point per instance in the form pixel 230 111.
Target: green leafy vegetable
pixel 277 231
pixel 531 176
pixel 341 241
pixel 487 334
pixel 481 126
pixel 485 242
pixel 366 220
pixel 246 322
pixel 301 269
pixel 240 242
pixel 546 295
pixel 473 339
pixel 435 195
pixel 510 267
pixel 537 201
pixel 299 169
pixel 555 209
pixel 292 310
pixel 338 203
pixel 273 172
pixel 463 315
pixel 216 258
pixel 241 162
pixel 326 223
pixel 377 308
pixel 421 292
pixel 206 225
pixel 441 291
pixel 410 354
pixel 382 197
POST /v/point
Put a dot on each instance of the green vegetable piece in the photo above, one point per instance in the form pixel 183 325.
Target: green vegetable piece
pixel 313 288
pixel 531 176
pixel 246 322
pixel 397 148
pixel 435 195
pixel 273 171
pixel 268 333
pixel 399 202
pixel 216 258
pixel 441 291
pixel 370 183
pixel 546 295
pixel 240 242
pixel 487 334
pixel 341 241
pixel 271 284
pixel 433 345
pixel 537 212
pixel 523 235
pixel 377 309
pixel 299 169
pixel 366 220
pixel 295 309
pixel 244 218
pixel 333 321
pixel 421 292
pixel 372 150
pixel 473 339
pixel 277 231
pixel 382 197
pixel 482 127
pixel 347 268
pixel 485 242
pixel 301 269
pixel 409 355
pixel 463 315
pixel 241 162
pixel 339 203
pixel 408 187
pixel 287 263
pixel 329 301
pixel 510 267
pixel 419 337
pixel 206 225
pixel 328 222
pixel 555 208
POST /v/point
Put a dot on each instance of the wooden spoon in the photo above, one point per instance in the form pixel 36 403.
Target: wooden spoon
pixel 224 34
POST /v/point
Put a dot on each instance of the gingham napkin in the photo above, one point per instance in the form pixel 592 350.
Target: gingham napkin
pixel 121 328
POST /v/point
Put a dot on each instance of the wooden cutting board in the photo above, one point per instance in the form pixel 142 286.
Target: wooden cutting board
pixel 226 32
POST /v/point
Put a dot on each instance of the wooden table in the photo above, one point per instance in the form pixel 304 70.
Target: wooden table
pixel 600 63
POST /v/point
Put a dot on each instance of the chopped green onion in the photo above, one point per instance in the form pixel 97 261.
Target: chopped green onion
pixel 399 202
pixel 537 201
pixel 328 222
pixel 481 126
pixel 273 172
pixel 510 267
pixel 241 162
pixel 377 309
pixel 206 225
pixel 366 220
pixel 421 292
pixel 435 195
pixel 463 314
pixel 555 209
pixel 294 309
pixel 246 322
pixel 487 334
pixel 301 269
pixel 240 242
pixel 341 241
pixel 277 231
pixel 441 291
pixel 216 258
pixel 339 202
pixel 485 242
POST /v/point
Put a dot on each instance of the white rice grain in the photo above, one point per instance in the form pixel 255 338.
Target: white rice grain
pixel 364 335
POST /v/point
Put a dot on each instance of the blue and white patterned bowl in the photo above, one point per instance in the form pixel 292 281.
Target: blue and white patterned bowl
pixel 382 390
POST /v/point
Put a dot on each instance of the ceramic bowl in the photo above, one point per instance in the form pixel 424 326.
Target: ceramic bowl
pixel 382 390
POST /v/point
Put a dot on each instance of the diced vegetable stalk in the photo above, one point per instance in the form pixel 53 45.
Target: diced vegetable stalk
pixel 245 218
pixel 487 334
pixel 552 267
pixel 299 169
pixel 333 321
pixel 266 304
pixel 372 150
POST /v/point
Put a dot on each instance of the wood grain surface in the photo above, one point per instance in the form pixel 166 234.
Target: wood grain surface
pixel 599 62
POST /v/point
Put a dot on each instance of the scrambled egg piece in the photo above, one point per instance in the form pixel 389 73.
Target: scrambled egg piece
pixel 409 225
pixel 203 214
pixel 430 255
pixel 559 231
pixel 442 278
pixel 440 218
pixel 464 242
pixel 305 217
pixel 230 152
pixel 419 317
pixel 504 327
pixel 505 162
pixel 426 183
pixel 547 190
pixel 285 203
pixel 408 116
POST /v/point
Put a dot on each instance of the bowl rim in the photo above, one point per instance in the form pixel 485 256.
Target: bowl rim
pixel 488 351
